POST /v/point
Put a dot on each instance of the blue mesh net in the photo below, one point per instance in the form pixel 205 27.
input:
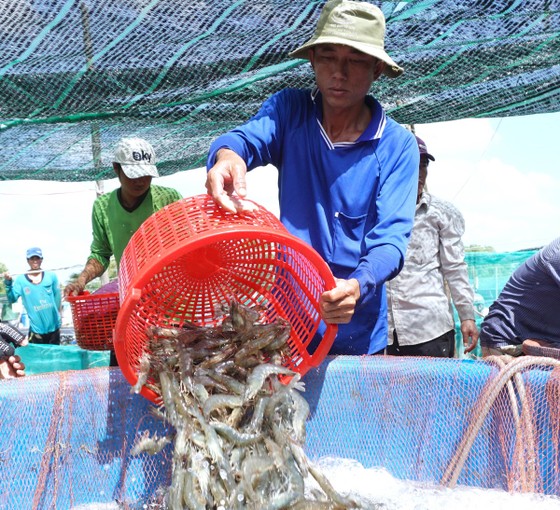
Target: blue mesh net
pixel 68 435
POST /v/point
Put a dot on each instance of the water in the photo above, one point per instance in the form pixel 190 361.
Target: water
pixel 378 487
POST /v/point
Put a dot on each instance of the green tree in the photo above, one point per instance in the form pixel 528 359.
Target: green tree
pixel 3 269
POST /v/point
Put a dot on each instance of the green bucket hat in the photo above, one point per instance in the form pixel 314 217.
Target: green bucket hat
pixel 357 24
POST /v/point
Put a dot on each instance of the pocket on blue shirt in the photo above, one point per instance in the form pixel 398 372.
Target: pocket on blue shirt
pixel 347 239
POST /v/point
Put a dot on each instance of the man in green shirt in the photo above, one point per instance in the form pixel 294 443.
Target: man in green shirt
pixel 117 215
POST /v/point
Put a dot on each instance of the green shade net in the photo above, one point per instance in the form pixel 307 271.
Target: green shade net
pixel 488 274
pixel 77 75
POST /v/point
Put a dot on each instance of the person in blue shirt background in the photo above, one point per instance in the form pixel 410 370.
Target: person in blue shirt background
pixel 347 173
pixel 41 297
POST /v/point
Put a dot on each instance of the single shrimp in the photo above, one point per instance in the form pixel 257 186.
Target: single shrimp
pixel 150 444
pixel 259 375
pixel 144 364
pixel 331 493
pixel 215 402
pixel 236 437
pixel 242 317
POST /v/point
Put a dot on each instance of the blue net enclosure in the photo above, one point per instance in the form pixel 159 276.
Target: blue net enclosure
pixel 470 423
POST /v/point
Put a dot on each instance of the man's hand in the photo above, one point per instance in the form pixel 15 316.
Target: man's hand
pixel 338 305
pixel 74 288
pixel 226 183
pixel 11 367
pixel 93 269
pixel 470 334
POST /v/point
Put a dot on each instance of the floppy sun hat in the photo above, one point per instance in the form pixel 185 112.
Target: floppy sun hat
pixel 136 157
pixel 356 24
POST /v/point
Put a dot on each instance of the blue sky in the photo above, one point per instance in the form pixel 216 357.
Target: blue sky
pixel 503 174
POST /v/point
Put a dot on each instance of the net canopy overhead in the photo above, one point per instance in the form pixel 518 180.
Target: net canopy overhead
pixel 77 75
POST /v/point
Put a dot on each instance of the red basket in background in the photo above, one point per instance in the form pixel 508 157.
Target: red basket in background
pixel 94 317
pixel 192 255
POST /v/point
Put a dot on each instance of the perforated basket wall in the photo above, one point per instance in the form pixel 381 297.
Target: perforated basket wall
pixel 94 317
pixel 191 256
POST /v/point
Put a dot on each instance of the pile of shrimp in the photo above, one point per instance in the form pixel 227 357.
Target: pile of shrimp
pixel 237 416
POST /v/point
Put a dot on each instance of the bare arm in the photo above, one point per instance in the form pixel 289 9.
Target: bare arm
pixel 93 269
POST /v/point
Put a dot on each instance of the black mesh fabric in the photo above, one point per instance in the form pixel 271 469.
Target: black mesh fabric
pixel 76 75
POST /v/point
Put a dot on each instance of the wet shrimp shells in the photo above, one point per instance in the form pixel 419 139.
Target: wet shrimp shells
pixel 238 417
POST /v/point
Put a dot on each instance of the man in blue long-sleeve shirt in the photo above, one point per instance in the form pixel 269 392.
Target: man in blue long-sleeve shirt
pixel 347 172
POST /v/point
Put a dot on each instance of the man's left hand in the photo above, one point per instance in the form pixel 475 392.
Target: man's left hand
pixel 470 334
pixel 338 305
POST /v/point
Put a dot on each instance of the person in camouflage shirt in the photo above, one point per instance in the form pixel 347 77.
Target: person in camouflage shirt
pixel 420 316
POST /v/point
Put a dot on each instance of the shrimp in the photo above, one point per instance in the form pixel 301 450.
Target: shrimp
pixel 258 414
pixel 260 337
pixel 242 317
pixel 237 415
pixel 214 402
pixel 232 384
pixel 253 469
pixel 259 375
pixel 331 493
pixel 150 444
pixel 213 444
pixel 167 396
pixel 238 438
pixel 144 364
pixel 301 413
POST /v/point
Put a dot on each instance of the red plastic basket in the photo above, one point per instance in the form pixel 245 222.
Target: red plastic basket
pixel 192 255
pixel 94 317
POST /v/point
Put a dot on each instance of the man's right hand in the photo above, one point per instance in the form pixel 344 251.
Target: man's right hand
pixel 73 289
pixel 226 183
pixel 12 367
pixel 93 269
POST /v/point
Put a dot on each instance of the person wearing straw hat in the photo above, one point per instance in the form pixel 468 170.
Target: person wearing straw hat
pixel 347 172
pixel 40 294
pixel 117 215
